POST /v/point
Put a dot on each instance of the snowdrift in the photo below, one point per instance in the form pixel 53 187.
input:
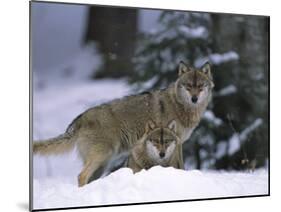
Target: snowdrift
pixel 155 184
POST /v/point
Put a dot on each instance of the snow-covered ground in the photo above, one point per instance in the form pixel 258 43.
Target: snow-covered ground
pixel 156 184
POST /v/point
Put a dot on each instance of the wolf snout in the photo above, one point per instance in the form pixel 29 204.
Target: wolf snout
pixel 194 99
pixel 162 154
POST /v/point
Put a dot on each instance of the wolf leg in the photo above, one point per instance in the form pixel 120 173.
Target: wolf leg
pixel 180 157
pixel 95 159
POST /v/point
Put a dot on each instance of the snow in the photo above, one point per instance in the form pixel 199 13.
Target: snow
pixel 148 20
pixel 234 144
pixel 244 134
pixel 217 58
pixel 228 90
pixel 210 116
pixel 237 139
pixel 155 184
pixel 183 31
pixel 225 57
pixel 198 32
pixel 221 149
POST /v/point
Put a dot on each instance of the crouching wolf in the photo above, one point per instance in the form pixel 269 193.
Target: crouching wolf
pixel 109 129
pixel 158 146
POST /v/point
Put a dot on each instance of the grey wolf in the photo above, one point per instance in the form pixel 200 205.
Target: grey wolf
pixel 158 146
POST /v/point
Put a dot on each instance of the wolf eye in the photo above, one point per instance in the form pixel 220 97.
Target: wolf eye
pixel 201 87
pixel 188 87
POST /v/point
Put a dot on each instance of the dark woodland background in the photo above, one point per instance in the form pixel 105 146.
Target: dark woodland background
pixel 234 133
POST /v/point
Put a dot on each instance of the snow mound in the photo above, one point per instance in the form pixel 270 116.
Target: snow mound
pixel 155 184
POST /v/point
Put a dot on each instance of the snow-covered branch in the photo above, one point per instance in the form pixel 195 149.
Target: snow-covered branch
pixel 217 59
pixel 238 139
pixel 228 90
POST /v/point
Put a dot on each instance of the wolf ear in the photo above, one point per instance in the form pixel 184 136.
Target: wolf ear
pixel 150 125
pixel 173 126
pixel 183 68
pixel 206 69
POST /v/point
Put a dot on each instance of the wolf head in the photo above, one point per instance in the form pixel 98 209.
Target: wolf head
pixel 160 142
pixel 193 86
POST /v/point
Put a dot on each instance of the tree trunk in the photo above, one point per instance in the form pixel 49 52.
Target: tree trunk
pixel 114 29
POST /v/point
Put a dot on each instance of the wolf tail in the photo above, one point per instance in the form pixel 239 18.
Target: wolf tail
pixel 61 144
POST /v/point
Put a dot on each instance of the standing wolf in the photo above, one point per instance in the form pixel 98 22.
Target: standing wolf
pixel 109 129
pixel 157 146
